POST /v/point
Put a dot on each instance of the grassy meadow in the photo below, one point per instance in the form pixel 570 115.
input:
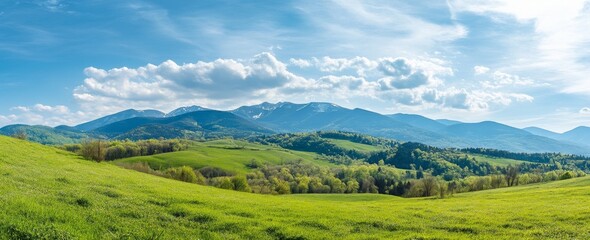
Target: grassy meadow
pixel 47 193
pixel 230 155
pixel 496 161
pixel 355 146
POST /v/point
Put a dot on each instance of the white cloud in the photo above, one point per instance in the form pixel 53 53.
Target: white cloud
pixel 479 70
pixel 418 83
pixel 585 110
pixel 302 63
pixel 21 108
pixel 555 49
pixel 226 83
pixel 59 109
pixel 509 79
pixel 41 114
pixel 402 73
pixel 502 79
pixel 464 99
pixel 7 120
pixel 358 64
pixel 376 28
pixel 168 84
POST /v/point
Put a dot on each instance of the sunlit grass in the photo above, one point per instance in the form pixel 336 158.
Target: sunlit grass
pixel 496 161
pixel 230 155
pixel 355 146
pixel 53 194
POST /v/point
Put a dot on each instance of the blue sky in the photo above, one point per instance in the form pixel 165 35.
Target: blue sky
pixel 523 63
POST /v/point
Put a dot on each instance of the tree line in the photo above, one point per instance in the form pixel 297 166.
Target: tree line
pixel 529 157
pixel 298 177
pixel 103 150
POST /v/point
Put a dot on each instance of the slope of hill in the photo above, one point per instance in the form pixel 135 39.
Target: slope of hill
pixel 315 116
pixel 44 135
pixel 448 122
pixel 127 114
pixel 499 136
pixel 207 123
pixel 543 132
pixel 50 194
pixel 418 121
pixel 580 134
pixel 291 117
pixel 230 155
pixel 346 144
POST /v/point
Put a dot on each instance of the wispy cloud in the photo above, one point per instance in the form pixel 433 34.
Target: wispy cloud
pixel 160 20
pixel 557 52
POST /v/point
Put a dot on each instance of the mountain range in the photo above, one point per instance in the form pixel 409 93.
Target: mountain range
pixel 284 117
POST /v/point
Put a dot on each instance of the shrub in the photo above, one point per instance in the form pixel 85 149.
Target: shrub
pixel 94 150
pixel 254 164
pixel 184 173
pixel 222 182
pixel 20 134
pixel 213 172
pixel 566 175
pixel 240 184
pixel 200 178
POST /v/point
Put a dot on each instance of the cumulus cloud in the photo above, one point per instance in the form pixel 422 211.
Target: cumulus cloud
pixel 498 79
pixel 6 120
pixel 302 63
pixel 225 83
pixel 479 70
pixel 358 64
pixel 169 82
pixel 41 114
pixel 402 73
pixel 509 79
pixel 21 108
pixel 228 83
pixel 59 109
pixel 461 98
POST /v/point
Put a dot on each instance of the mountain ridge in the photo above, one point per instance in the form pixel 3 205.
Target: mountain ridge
pixel 287 117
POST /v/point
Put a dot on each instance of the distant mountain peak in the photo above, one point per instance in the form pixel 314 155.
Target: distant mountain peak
pixel 321 107
pixel 122 115
pixel 183 110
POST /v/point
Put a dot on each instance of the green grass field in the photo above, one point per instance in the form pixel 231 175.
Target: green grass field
pixel 230 155
pixel 496 161
pixel 354 146
pixel 46 193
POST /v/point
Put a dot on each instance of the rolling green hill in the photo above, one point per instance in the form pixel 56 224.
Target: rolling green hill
pixel 206 123
pixel 44 134
pixel 355 146
pixel 496 161
pixel 50 194
pixel 229 155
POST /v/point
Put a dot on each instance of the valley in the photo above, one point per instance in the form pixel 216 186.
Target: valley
pixel 48 193
pixel 294 120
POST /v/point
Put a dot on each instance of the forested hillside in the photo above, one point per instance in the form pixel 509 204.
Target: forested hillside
pixel 335 162
pixel 70 198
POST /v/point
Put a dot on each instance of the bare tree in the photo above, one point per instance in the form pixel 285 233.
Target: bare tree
pixel 429 185
pixel 512 175
pixel 497 181
pixel 442 189
pixel 94 150
pixel 20 134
